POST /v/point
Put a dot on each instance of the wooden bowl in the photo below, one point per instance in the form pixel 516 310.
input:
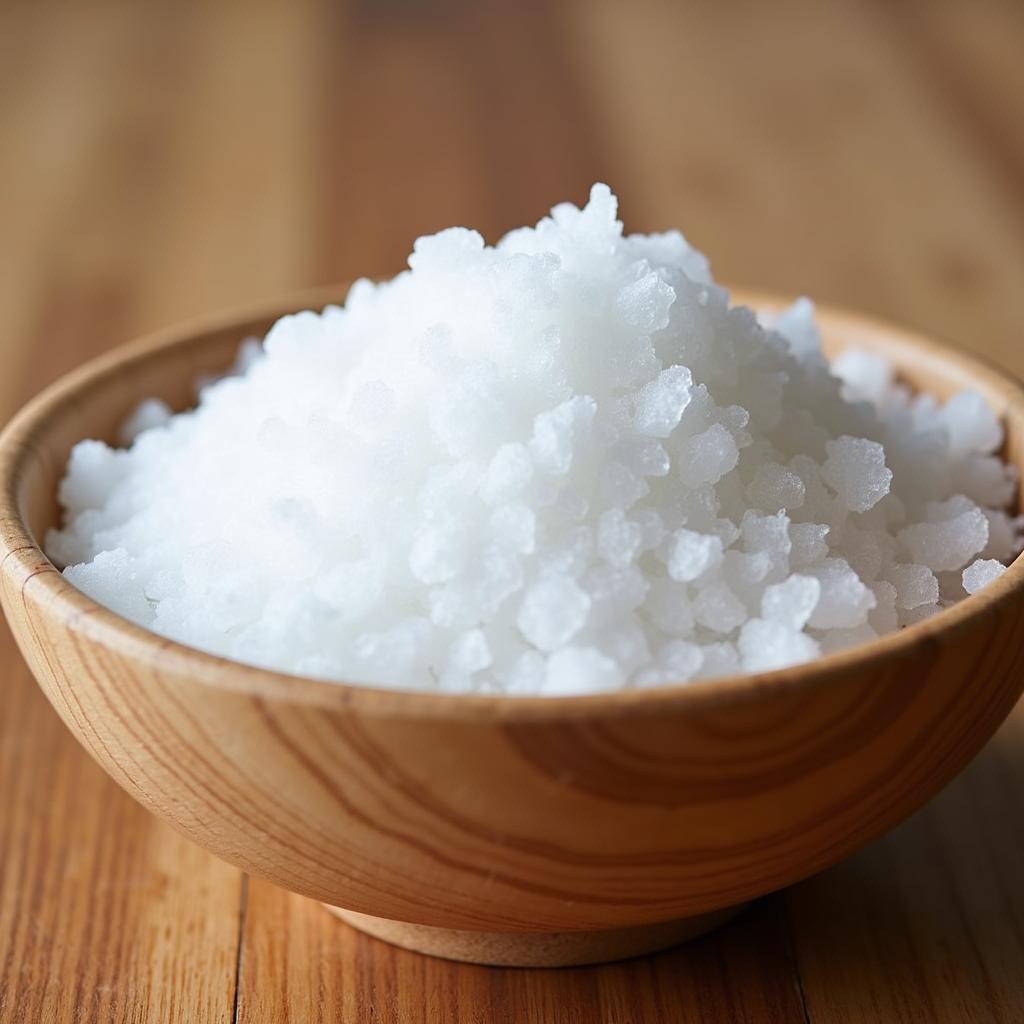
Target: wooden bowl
pixel 495 829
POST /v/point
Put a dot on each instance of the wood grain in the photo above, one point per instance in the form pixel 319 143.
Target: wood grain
pixel 815 147
pixel 819 156
pixel 105 914
pixel 932 909
pixel 300 966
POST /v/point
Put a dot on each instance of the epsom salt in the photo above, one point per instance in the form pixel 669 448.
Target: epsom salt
pixel 560 465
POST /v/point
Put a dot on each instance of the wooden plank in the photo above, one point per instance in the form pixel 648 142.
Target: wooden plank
pixel 105 914
pixel 457 114
pixel 799 145
pixel 237 200
pixel 300 964
pixel 52 132
pixel 928 923
pixel 970 56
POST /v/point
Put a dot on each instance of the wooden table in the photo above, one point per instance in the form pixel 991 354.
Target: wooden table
pixel 162 159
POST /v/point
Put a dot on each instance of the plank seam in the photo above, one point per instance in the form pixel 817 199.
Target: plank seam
pixel 787 927
pixel 243 908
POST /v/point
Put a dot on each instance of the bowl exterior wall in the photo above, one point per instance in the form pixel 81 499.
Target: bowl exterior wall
pixel 547 824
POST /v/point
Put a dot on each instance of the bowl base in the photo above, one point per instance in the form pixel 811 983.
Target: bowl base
pixel 536 949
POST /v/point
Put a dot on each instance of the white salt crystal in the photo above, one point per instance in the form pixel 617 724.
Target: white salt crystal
pixel 746 571
pixel 556 465
pixel 980 573
pixel 661 403
pixel 645 456
pixel 93 472
pixel 776 487
pixel 557 434
pixel 437 552
pixel 525 675
pixel 626 644
pixel 450 249
pixel 645 303
pixel 1004 535
pixel 707 457
pixel 351 588
pixel 652 528
pixel 576 670
pixel 676 662
pixel 844 601
pixel 865 375
pixel 553 612
pixel 796 324
pixel 620 487
pixel 972 425
pixel 883 618
pixel 497 576
pixel 618 538
pixel 669 608
pixel 807 544
pixel 915 585
pixel 113 579
pixel 614 592
pixel 507 474
pixel 692 554
pixel 720 659
pixel 680 659
pixel 569 554
pixel 791 602
pixel 841 639
pixel 946 543
pixel 719 609
pixel 372 404
pixel 986 480
pixel 381 655
pixel 469 414
pixel 513 528
pixel 150 413
pixel 865 549
pixel 767 645
pixel 469 653
pixel 920 614
pixel 435 349
pixel 855 469
pixel 769 534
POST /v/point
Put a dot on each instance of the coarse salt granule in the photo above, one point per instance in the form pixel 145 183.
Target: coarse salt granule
pixel 559 465
pixel 983 571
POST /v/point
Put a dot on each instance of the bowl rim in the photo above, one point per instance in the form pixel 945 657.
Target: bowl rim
pixel 23 561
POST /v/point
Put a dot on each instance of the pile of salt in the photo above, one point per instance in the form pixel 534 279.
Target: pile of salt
pixel 559 465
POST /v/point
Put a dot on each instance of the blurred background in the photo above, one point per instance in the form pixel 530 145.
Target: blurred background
pixel 164 158
pixel 160 159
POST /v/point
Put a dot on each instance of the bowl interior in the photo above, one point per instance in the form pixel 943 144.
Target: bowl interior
pixel 94 401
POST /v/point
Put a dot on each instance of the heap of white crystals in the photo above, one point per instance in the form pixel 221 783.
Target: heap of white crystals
pixel 560 465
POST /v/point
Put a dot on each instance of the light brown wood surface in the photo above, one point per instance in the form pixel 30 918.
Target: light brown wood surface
pixel 157 161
